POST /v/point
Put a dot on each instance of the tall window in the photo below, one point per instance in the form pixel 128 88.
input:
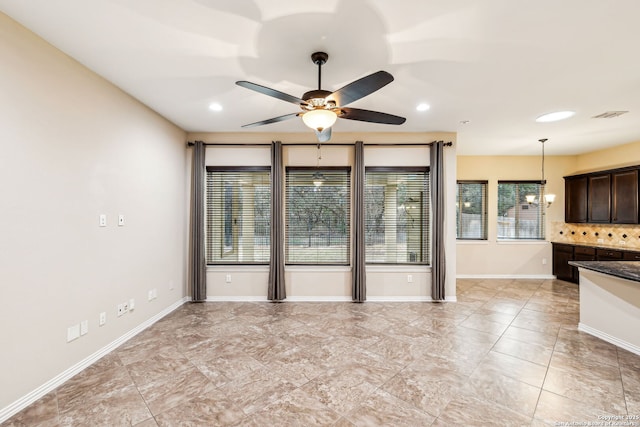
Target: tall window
pixel 518 219
pixel 396 215
pixel 318 215
pixel 471 210
pixel 238 215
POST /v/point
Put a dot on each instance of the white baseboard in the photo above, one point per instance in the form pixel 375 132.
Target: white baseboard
pixel 506 276
pixel 608 338
pixel 250 298
pixel 323 298
pixel 407 299
pixel 52 384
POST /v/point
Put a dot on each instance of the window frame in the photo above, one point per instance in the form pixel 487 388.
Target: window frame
pixel 223 231
pixel 484 214
pixel 348 218
pixel 541 212
pixel 425 220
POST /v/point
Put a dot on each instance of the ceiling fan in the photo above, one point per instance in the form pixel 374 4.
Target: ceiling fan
pixel 321 108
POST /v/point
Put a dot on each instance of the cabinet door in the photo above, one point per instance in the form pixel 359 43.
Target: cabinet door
pixel 599 199
pixel 609 255
pixel 631 256
pixel 624 208
pixel 562 254
pixel 575 199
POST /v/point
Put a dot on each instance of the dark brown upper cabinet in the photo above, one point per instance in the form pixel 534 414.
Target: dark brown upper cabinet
pixel 599 198
pixel 624 190
pixel 575 196
pixel 603 197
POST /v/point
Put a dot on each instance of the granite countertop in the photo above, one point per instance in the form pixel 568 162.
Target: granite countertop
pixel 629 270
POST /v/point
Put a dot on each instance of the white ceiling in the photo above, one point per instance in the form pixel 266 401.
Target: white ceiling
pixel 496 63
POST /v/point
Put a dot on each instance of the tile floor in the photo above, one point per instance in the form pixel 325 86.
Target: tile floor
pixel 507 354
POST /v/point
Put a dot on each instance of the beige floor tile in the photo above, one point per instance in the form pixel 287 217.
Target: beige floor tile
pixel 502 390
pixel 554 409
pixel 534 353
pixel 480 361
pixel 44 412
pixel 210 409
pixel 513 367
pixel 383 409
pixel 471 411
pixel 605 394
pixel 293 409
pixel 168 392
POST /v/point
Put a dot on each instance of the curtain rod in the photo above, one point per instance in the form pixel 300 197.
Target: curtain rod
pixel 311 144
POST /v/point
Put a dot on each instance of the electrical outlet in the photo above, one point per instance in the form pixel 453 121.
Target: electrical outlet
pixel 132 304
pixel 120 220
pixel 102 220
pixel 409 278
pixel 120 309
pixel 228 278
pixel 125 307
pixel 103 319
pixel 84 327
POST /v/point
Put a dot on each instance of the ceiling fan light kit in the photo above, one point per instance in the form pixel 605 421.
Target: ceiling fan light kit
pixel 319 119
pixel 321 108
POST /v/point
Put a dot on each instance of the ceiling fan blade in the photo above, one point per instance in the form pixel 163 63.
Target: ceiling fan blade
pixel 360 88
pixel 370 116
pixel 324 136
pixel 271 92
pixel 273 120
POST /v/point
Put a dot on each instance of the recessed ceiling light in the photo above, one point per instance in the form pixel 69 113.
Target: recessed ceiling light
pixel 555 116
pixel 214 106
pixel 423 107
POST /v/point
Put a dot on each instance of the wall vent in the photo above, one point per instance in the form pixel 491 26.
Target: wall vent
pixel 609 114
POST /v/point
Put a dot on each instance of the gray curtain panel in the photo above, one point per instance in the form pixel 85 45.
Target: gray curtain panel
pixel 276 290
pixel 198 262
pixel 359 276
pixel 438 264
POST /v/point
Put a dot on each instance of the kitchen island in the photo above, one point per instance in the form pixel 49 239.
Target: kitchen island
pixel 610 301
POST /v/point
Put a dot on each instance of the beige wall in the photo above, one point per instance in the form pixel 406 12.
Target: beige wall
pixel 609 158
pixel 72 146
pixel 524 259
pixel 309 283
pixel 491 258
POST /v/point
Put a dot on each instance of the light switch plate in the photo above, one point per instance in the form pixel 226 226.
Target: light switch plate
pixel 84 327
pixel 102 221
pixel 120 220
pixel 73 332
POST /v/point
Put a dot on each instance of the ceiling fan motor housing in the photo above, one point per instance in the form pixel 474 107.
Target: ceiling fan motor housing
pixel 316 98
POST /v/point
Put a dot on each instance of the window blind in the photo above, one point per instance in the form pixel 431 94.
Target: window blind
pixel 517 218
pixel 471 210
pixel 238 215
pixel 318 216
pixel 397 215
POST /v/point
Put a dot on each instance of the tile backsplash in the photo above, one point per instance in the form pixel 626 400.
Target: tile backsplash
pixel 611 235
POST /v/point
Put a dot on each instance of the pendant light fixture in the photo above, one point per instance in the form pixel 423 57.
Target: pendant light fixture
pixel 547 198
